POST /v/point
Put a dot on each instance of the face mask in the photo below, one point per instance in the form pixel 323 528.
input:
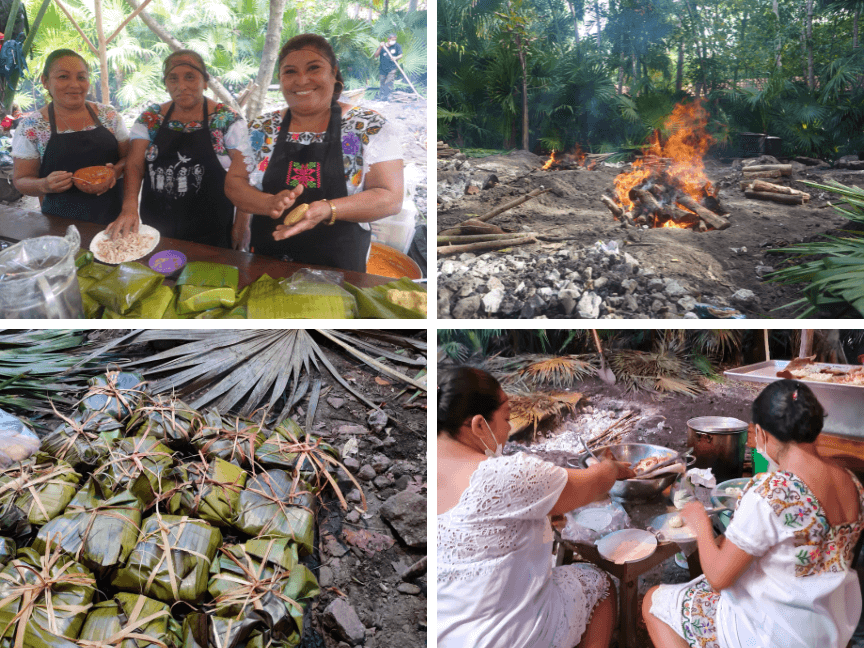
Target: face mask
pixel 772 465
pixel 499 449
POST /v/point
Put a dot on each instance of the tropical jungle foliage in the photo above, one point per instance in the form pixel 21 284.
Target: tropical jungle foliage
pixel 605 76
pixel 229 35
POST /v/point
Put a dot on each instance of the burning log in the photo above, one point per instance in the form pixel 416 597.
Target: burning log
pixel 710 218
pixel 617 212
pixel 785 169
pixel 775 197
pixel 472 226
pixel 675 213
pixel 646 198
pixel 761 185
pixel 762 174
pixel 477 247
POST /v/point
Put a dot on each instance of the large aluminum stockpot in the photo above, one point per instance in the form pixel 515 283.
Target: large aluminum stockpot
pixel 633 490
pixel 719 443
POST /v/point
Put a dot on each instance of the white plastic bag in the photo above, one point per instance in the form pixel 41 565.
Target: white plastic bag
pixel 594 521
pixel 17 441
pixel 397 231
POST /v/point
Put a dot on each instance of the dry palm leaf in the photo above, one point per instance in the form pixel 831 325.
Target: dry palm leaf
pixel 560 372
pixel 655 371
pixel 529 410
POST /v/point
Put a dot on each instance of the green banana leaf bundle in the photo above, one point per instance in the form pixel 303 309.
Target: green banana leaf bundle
pixel 8 548
pixel 82 440
pixel 134 457
pixel 232 440
pixel 98 530
pixel 125 286
pixel 207 490
pixel 401 299
pixel 205 631
pixel 44 599
pixel 39 487
pixel 130 621
pixel 172 559
pixel 273 504
pixel 116 393
pixel 291 449
pixel 169 420
pixel 263 579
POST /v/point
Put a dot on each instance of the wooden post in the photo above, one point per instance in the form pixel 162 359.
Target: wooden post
pixel 806 347
pixel 72 20
pixel 103 53
pixel 10 22
pixel 127 21
pixel 34 28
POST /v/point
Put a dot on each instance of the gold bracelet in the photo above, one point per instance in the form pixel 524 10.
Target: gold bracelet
pixel 332 212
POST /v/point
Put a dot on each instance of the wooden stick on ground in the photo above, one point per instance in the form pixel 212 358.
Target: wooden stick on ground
pixel 761 174
pixel 479 238
pixel 710 218
pixel 785 169
pixel 761 185
pixel 477 247
pixel 775 197
pixel 471 226
pixel 510 205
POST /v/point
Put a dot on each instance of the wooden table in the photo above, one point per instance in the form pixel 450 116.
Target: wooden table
pixel 18 224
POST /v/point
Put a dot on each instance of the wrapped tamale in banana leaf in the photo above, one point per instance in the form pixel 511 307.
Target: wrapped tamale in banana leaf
pixel 99 530
pixel 209 490
pixel 291 449
pixel 130 621
pixel 132 458
pixel 273 504
pixel 40 487
pixel 169 420
pixel 8 548
pixel 44 599
pixel 116 393
pixel 172 559
pixel 233 440
pixel 205 631
pixel 82 440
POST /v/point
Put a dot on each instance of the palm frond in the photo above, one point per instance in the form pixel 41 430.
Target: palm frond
pixel 531 409
pixel 561 372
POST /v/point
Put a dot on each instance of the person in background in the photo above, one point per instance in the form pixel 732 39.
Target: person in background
pixel 181 151
pixel 344 163
pixel 781 575
pixel 388 52
pixel 496 583
pixel 66 135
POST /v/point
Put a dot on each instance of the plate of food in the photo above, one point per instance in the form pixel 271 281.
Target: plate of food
pixel 627 545
pixel 129 248
pixel 672 527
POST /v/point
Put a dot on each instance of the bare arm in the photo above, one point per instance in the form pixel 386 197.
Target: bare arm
pixel 25 177
pixel 589 485
pixel 249 199
pixel 128 219
pixel 723 562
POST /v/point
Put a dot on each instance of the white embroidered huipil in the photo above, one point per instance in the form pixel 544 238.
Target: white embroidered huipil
pixel 496 584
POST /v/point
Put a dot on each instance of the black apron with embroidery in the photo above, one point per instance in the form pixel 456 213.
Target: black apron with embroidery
pixel 73 151
pixel 184 186
pixel 320 168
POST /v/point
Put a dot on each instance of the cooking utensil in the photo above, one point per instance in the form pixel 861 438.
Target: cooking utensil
pixel 719 443
pixel 719 497
pixel 585 448
pixel 663 464
pixel 605 373
pixel 388 262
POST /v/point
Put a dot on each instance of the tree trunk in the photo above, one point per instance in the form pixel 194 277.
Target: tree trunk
pixel 779 60
pixel 679 70
pixel 855 28
pixel 811 81
pixel 386 6
pixel 103 55
pixel 218 89
pixel 597 15
pixel 620 78
pixel 524 92
pixel 268 59
pixel 412 6
pixel 572 6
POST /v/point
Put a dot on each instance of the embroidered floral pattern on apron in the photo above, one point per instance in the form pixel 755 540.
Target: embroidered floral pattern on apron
pixel 307 174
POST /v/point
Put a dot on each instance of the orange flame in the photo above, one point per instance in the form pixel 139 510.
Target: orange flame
pixel 550 161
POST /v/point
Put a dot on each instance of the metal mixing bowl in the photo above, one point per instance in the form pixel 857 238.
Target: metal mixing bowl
pixel 634 490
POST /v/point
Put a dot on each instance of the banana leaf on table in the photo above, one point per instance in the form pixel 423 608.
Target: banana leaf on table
pixel 82 440
pixel 172 559
pixel 130 459
pixel 233 440
pixel 167 419
pixel 130 621
pixel 116 393
pixel 274 504
pixel 98 530
pixel 39 487
pixel 207 490
pixel 44 599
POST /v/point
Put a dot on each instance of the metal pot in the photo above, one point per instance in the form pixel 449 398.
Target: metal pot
pixel 719 443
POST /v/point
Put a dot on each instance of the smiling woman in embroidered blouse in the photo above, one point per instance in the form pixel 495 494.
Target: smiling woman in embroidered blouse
pixel 345 163
pixel 496 583
pixel 781 575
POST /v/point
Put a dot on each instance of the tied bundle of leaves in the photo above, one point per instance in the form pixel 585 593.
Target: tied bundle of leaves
pixel 172 559
pixel 131 459
pixel 44 599
pixel 8 548
pixel 40 488
pixel 170 420
pixel 232 440
pixel 116 394
pixel 97 530
pixel 206 490
pixel 274 503
pixel 82 440
pixel 260 580
pixel 129 621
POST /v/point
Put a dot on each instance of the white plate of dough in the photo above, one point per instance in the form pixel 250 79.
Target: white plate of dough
pixel 672 527
pixel 129 248
pixel 627 545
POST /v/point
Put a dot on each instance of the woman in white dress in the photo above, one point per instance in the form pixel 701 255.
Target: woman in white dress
pixel 496 584
pixel 781 577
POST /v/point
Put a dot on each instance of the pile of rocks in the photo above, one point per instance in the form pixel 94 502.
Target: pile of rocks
pixel 599 282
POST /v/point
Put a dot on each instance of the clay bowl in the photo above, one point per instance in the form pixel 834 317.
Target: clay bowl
pixel 93 179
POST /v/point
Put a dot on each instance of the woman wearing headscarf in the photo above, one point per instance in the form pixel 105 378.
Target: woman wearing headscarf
pixel 344 163
pixel 68 134
pixel 781 574
pixel 181 150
